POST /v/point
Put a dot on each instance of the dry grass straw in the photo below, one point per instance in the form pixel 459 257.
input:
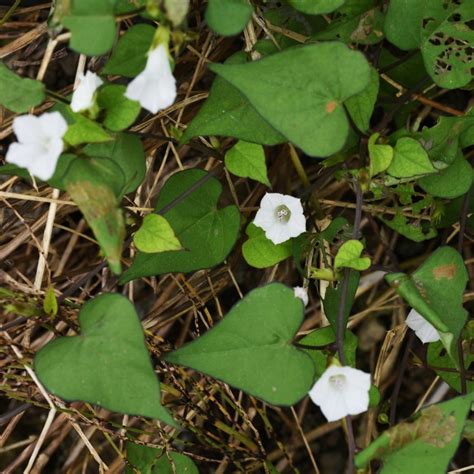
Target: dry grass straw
pixel 44 240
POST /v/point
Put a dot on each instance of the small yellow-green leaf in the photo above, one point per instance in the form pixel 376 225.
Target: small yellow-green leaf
pixel 380 155
pixel 50 303
pixel 247 160
pixel 156 235
pixel 349 256
pixel 176 10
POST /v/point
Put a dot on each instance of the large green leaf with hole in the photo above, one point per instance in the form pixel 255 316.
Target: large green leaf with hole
pixel 436 291
pixel 300 92
pixel 425 444
pixel 447 48
pixel 106 364
pixel 228 17
pixel 92 25
pixel 129 56
pixel 357 21
pixel 227 112
pixel 251 348
pixel 19 94
pixel 207 233
pixel 146 460
pixel 441 29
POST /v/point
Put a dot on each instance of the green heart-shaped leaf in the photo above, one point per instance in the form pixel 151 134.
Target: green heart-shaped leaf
pixel 441 30
pixel 451 182
pixel 228 17
pixel 300 92
pixel 409 159
pixel 92 25
pixel 129 57
pixel 361 105
pixel 155 235
pixel 247 160
pixel 261 252
pixel 316 7
pixel 380 155
pixel 19 94
pixel 425 445
pixel 126 151
pixel 251 347
pixel 207 234
pixel 439 358
pixel 120 112
pixel 227 112
pixel 349 256
pixel 155 461
pixel 107 364
pixel 436 291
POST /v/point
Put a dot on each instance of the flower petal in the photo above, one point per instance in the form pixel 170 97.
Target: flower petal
pixel 53 125
pixel 28 129
pixel 424 330
pixel 301 293
pixel 349 397
pixel 83 96
pixel 155 87
pixel 277 233
pixel 21 154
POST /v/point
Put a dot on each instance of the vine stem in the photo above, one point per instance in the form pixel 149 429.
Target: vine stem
pixel 462 230
pixel 341 326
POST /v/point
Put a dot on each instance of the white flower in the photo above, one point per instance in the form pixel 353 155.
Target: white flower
pixel 302 293
pixel 40 142
pixel 425 331
pixel 281 217
pixel 341 391
pixel 155 86
pixel 83 97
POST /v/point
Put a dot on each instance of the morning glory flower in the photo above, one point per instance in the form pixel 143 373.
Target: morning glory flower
pixel 83 96
pixel 40 142
pixel 155 86
pixel 425 331
pixel 281 217
pixel 341 391
pixel 301 293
